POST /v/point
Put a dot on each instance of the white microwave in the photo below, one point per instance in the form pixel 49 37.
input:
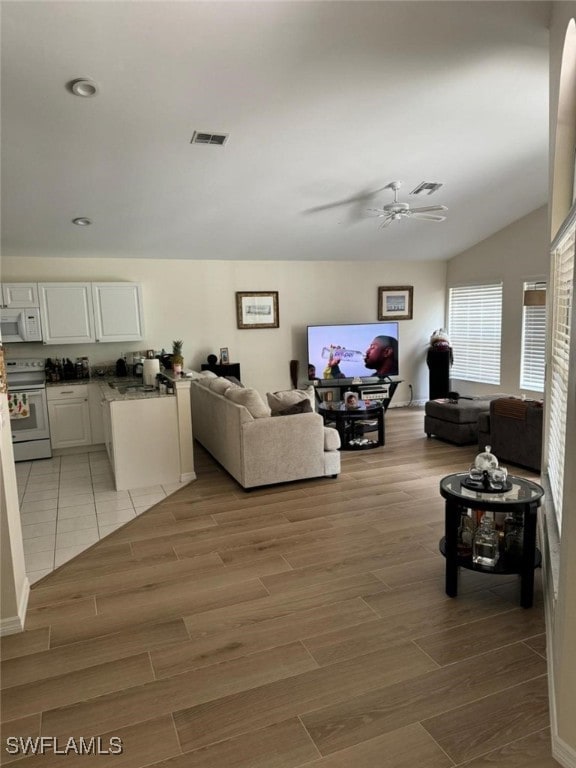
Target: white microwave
pixel 17 324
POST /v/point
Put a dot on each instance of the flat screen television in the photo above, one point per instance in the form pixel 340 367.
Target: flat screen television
pixel 364 350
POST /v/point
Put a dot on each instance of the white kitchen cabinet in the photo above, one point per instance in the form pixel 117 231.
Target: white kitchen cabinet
pixel 96 415
pixel 69 415
pixel 66 313
pixel 80 313
pixel 107 427
pixel 118 312
pixel 19 295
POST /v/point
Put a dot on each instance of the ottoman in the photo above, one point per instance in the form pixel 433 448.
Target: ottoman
pixel 456 422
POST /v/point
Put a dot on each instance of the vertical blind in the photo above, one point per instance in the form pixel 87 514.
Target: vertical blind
pixel 562 286
pixel 475 328
pixel 533 337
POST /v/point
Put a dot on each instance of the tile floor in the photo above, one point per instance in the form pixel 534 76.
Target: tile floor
pixel 68 503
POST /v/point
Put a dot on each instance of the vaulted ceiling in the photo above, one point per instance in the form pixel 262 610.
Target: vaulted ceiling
pixel 324 104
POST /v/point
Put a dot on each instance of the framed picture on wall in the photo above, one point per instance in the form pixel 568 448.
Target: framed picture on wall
pixel 258 309
pixel 395 302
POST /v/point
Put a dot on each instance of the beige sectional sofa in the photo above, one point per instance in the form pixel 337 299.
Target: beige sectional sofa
pixel 235 425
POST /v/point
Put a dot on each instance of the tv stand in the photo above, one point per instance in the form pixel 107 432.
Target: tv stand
pixel 371 388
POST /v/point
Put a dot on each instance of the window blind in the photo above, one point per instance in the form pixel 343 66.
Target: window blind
pixel 562 285
pixel 533 359
pixel 475 328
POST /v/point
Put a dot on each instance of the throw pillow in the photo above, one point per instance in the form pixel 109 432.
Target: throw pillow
pixel 235 381
pixel 280 401
pixel 302 407
pixel 219 385
pixel 250 399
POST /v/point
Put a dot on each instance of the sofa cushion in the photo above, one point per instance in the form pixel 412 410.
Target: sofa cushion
pixel 331 439
pixel 219 385
pixel 250 399
pixel 303 406
pixel 280 401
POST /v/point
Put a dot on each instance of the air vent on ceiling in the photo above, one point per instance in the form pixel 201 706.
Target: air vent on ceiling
pixel 427 186
pixel 202 137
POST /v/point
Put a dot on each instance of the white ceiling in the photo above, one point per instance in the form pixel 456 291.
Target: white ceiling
pixel 325 103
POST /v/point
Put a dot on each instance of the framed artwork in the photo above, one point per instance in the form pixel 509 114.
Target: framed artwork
pixel 224 356
pixel 258 309
pixel 395 302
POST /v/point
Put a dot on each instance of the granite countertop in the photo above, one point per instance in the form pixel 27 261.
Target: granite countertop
pixel 111 393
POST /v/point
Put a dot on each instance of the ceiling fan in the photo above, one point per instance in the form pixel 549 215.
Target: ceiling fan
pixel 396 210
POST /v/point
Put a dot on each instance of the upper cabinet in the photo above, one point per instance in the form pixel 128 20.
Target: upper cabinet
pixel 118 312
pixel 80 313
pixel 20 295
pixel 66 313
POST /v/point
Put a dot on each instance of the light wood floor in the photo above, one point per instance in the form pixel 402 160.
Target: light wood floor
pixel 303 624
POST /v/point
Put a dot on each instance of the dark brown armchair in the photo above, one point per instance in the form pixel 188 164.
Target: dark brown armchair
pixel 513 429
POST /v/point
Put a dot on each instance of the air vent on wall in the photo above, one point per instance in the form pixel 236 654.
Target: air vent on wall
pixel 202 137
pixel 427 186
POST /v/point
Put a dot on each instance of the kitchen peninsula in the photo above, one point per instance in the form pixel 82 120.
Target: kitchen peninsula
pixel 148 435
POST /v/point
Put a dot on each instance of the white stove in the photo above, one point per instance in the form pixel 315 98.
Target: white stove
pixel 29 424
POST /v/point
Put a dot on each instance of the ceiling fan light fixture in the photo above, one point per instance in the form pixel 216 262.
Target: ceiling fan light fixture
pixel 397 210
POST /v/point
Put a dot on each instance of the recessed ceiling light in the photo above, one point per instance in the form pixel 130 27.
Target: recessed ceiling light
pixel 82 221
pixel 84 87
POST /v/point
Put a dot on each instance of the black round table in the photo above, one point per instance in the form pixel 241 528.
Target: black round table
pixel 349 423
pixel 523 497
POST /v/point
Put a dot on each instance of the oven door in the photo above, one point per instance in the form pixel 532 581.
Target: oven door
pixel 36 425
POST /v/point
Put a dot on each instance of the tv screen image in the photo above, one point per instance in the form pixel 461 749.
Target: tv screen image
pixel 348 351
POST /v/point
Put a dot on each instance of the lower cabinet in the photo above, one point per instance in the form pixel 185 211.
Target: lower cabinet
pixel 69 415
pixel 96 420
pixel 107 430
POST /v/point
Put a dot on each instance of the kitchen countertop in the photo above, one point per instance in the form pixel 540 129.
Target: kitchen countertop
pixel 108 392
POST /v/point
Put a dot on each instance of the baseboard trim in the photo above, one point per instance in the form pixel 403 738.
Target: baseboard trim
pixel 563 752
pixel 14 624
pixel 187 477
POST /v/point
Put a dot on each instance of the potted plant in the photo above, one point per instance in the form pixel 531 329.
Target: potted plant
pixel 177 359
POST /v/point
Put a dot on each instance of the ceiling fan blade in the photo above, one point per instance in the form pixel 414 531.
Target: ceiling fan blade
pixel 365 194
pixel 427 216
pixel 429 208
pixel 386 223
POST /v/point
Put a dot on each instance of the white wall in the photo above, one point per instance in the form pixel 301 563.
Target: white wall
pixel 514 255
pixel 14 583
pixel 195 301
pixel 561 614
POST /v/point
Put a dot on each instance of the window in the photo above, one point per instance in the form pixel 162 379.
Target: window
pixel 533 337
pixel 562 280
pixel 475 325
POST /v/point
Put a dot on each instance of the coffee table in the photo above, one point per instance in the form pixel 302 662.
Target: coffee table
pixel 348 422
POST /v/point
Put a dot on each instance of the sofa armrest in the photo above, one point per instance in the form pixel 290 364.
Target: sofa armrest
pixel 281 448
